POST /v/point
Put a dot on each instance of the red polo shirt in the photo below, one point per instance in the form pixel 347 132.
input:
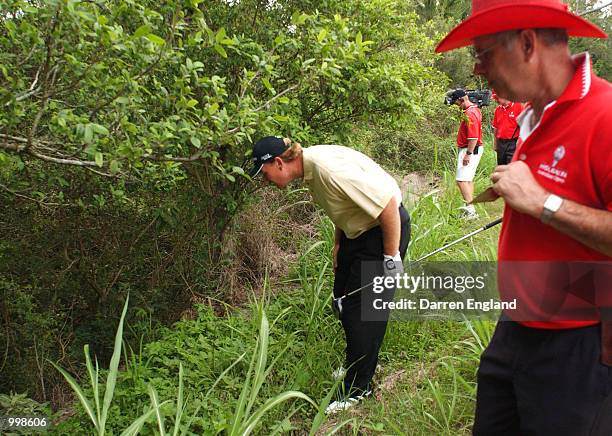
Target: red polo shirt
pixel 569 153
pixel 471 127
pixel 504 120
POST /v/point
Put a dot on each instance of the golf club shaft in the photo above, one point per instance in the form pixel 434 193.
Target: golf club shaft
pixel 469 235
pixel 482 229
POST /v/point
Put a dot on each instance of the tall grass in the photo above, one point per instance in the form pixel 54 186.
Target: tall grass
pixel 250 408
pixel 227 384
pixel 97 415
pixel 243 421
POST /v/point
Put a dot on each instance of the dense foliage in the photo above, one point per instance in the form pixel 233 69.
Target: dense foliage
pixel 125 129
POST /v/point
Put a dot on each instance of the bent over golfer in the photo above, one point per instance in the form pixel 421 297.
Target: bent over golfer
pixel 372 226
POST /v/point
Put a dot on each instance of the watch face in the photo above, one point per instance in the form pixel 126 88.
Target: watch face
pixel 551 205
pixel 390 263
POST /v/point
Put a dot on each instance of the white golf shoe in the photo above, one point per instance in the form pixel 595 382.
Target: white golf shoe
pixel 345 404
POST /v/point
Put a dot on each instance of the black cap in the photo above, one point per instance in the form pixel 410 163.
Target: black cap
pixel 265 150
pixel 455 95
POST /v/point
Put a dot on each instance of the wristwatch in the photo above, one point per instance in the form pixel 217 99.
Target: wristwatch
pixel 551 205
pixel 469 152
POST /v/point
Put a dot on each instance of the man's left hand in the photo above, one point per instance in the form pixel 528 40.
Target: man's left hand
pixel 519 189
pixel 466 160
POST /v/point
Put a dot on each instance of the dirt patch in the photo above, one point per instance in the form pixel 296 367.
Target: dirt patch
pixel 415 185
pixel 390 381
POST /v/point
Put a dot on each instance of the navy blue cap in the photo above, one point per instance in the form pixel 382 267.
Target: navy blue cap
pixel 265 150
pixel 456 95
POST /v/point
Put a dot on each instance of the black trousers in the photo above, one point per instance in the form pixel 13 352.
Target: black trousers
pixel 363 338
pixel 505 150
pixel 543 382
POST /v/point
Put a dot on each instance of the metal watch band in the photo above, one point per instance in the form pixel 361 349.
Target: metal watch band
pixel 551 205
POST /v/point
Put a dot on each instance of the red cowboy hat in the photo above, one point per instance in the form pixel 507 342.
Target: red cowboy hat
pixel 492 16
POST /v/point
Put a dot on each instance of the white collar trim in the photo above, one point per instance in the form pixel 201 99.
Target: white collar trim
pixel 586 74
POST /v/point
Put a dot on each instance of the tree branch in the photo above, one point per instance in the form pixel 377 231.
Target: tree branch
pixel 280 94
pixel 100 173
pixel 74 162
pixel 30 92
pixel 17 194
pixel 192 158
pixel 598 8
pixel 47 71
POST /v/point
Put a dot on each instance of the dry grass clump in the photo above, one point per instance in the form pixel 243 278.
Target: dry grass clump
pixel 266 240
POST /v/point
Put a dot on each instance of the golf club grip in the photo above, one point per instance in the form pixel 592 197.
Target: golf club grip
pixel 492 224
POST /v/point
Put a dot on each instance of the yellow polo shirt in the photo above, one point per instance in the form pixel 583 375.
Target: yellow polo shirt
pixel 351 188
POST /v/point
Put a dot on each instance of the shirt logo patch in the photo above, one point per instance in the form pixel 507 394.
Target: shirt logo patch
pixel 550 171
pixel 558 155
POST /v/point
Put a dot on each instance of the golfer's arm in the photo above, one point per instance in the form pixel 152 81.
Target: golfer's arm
pixel 471 145
pixel 390 223
pixel 337 236
pixel 592 227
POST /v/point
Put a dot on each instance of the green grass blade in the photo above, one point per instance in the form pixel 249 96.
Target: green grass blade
pixel 260 366
pixel 317 289
pixel 114 368
pixel 225 371
pixel 242 400
pixel 269 405
pixel 81 396
pixel 93 378
pixel 193 416
pixel 340 426
pixel 277 358
pixel 135 427
pixel 320 417
pixel 278 428
pixel 179 403
pixel 312 247
pixel 158 414
pixel 439 401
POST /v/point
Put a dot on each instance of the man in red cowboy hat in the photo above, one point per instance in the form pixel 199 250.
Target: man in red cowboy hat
pixel 505 128
pixel 548 368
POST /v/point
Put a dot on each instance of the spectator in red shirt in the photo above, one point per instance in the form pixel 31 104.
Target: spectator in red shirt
pixel 548 367
pixel 469 142
pixel 505 128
